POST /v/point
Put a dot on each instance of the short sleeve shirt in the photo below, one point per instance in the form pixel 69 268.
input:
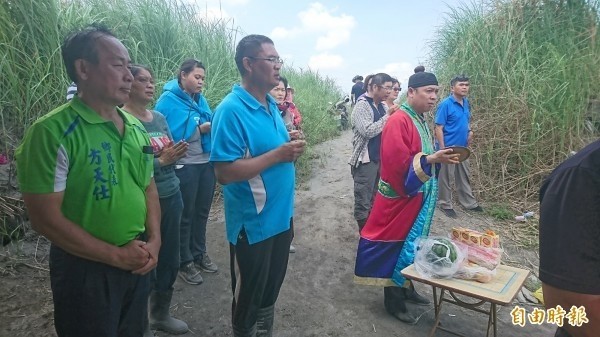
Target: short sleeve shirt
pixel 454 117
pixel 570 224
pixel 102 174
pixel 244 128
pixel 165 178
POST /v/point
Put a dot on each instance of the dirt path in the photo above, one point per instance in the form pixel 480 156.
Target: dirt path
pixel 318 297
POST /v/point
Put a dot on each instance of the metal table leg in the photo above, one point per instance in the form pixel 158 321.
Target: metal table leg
pixel 476 306
pixel 437 305
pixel 492 321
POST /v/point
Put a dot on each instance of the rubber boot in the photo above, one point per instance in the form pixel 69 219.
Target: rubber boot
pixel 412 296
pixel 244 333
pixel 264 321
pixel 394 302
pixel 160 318
pixel 147 331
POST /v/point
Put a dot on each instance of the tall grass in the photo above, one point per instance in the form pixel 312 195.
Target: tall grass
pixel 317 124
pixel 534 85
pixel 158 33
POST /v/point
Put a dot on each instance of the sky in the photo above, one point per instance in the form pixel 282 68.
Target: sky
pixel 340 38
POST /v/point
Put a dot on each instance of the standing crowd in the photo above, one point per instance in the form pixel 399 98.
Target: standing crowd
pixel 402 170
pixel 124 191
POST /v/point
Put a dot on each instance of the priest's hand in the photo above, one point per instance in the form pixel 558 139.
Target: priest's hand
pixel 445 156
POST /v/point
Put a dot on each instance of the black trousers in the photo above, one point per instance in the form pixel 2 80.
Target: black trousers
pixel 93 299
pixel 257 273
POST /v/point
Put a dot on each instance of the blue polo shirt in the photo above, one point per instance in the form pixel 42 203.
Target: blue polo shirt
pixel 455 119
pixel 243 128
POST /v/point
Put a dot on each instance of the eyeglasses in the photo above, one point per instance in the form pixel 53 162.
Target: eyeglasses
pixel 396 89
pixel 275 59
pixel 386 88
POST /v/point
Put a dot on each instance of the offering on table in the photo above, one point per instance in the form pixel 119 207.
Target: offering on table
pixel 437 257
pixel 488 239
pixel 472 271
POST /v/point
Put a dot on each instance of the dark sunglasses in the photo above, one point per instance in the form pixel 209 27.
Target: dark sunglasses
pixel 396 89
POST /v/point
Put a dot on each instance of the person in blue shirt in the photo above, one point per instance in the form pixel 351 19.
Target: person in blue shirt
pixel 253 155
pixel 189 118
pixel 452 127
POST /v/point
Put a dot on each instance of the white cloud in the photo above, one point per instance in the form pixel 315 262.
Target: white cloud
pixel 282 33
pixel 213 14
pixel 332 30
pixel 332 39
pixel 325 61
pixel 399 70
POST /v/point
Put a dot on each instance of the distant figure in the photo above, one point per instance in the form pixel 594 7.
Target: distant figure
pixel 368 119
pixel 453 127
pixel 405 199
pixel 569 240
pixel 293 108
pixel 279 93
pixel 85 171
pixel 357 89
pixel 391 100
pixel 254 156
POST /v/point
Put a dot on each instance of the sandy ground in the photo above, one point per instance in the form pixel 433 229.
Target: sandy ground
pixel 318 297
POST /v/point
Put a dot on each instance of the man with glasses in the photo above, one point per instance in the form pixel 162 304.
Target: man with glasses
pixel 368 119
pixel 405 199
pixel 452 127
pixel 254 159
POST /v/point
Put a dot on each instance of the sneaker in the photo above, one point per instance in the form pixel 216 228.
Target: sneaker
pixel 190 274
pixel 205 264
pixel 292 249
pixel 476 209
pixel 450 213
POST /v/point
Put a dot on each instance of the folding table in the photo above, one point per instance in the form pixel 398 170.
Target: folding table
pixel 500 291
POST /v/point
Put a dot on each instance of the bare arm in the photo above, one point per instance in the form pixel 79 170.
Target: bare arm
pixel 247 168
pixel 470 136
pixel 439 135
pixel 152 228
pixel 566 299
pixel 47 219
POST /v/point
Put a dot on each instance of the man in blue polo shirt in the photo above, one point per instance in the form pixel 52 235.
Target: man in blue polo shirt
pixel 452 127
pixel 253 157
